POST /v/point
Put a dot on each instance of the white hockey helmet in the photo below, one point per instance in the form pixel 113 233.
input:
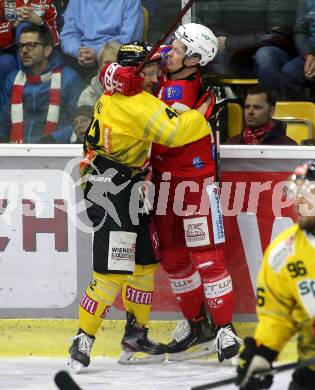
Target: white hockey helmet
pixel 200 40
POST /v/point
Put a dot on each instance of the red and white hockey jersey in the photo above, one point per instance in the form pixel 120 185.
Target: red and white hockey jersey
pixel 194 159
pixel 8 16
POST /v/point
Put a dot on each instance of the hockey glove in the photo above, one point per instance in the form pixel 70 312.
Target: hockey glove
pixel 208 98
pixel 117 78
pixel 252 360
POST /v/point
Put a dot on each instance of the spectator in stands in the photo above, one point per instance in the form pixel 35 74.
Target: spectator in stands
pixel 164 14
pixel 91 94
pixel 81 121
pixel 301 69
pixel 14 16
pixel 260 128
pixel 41 98
pixel 255 37
pixel 1 98
pixel 150 5
pixel 61 6
pixel 88 25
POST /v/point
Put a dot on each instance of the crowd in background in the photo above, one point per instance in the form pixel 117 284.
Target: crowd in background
pixel 51 52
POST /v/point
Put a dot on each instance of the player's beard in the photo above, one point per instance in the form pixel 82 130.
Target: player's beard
pixel 307 224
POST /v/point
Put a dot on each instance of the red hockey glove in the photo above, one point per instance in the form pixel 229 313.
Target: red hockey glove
pixel 116 78
pixel 208 94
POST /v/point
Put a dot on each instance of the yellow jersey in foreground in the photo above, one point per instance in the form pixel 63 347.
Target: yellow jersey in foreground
pixel 123 128
pixel 286 292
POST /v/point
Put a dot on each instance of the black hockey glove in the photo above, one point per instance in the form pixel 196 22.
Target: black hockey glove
pixel 252 360
pixel 47 139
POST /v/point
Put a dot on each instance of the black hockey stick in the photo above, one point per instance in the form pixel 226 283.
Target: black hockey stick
pixel 218 107
pixel 64 381
pixel 271 371
pixel 163 38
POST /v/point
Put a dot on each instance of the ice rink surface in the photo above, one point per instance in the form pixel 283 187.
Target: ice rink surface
pixel 107 374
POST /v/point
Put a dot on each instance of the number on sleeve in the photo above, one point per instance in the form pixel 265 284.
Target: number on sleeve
pixel 94 126
pixel 260 297
pixel 171 113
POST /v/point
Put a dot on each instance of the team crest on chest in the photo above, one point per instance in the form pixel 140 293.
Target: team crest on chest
pixel 174 92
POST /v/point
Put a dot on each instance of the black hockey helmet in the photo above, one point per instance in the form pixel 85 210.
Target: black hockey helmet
pixel 304 172
pixel 133 53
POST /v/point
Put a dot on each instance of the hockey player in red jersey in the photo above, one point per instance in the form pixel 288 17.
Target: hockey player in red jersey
pixel 192 241
pixel 187 208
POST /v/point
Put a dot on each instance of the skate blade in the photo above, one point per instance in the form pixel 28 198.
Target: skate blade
pixel 233 361
pixel 74 366
pixel 195 352
pixel 133 358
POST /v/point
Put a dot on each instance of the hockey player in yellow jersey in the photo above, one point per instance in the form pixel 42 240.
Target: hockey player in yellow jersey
pixel 125 251
pixel 286 292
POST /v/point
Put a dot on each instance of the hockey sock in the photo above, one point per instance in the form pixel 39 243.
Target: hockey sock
pixel 97 300
pixel 137 292
pixel 218 292
pixel 189 293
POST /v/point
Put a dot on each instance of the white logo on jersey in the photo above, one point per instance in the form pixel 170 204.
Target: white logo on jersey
pixel 196 231
pixel 278 256
pixel 307 293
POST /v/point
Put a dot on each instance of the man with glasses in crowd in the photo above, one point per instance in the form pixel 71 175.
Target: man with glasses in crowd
pixel 40 99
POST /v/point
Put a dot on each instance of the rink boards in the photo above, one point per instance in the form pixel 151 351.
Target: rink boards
pixel 45 237
pixel 52 337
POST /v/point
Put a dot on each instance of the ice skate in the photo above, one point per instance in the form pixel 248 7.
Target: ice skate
pixel 80 352
pixel 137 347
pixel 191 340
pixel 227 343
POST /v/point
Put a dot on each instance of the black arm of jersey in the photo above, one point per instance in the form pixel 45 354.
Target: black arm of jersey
pixel 88 141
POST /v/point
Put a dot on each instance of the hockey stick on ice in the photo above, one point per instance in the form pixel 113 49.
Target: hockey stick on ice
pixel 64 381
pixel 271 371
pixel 163 38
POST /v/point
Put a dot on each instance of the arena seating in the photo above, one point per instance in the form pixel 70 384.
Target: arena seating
pixel 237 81
pixel 299 116
pixel 235 119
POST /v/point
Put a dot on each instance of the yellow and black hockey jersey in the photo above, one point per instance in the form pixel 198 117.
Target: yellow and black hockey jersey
pixel 286 292
pixel 123 128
